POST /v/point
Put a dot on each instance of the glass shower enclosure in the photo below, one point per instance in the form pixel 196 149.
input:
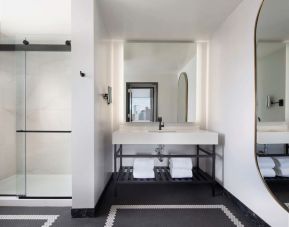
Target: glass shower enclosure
pixel 35 113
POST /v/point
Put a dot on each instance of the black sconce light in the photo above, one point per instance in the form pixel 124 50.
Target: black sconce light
pixel 108 96
pixel 271 102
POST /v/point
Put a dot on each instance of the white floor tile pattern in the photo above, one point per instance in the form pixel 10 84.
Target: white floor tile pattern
pixel 50 219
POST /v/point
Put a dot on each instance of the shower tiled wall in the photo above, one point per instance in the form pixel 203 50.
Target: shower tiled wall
pixel 48 107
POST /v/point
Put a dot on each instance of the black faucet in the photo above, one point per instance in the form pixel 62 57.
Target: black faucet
pixel 161 124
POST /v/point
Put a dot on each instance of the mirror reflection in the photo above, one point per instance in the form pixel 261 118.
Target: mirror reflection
pixel 183 98
pixel 156 77
pixel 272 107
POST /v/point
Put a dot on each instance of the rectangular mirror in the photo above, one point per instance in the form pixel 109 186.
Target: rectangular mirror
pixel 160 80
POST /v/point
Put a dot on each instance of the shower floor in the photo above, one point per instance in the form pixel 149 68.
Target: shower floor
pixel 39 186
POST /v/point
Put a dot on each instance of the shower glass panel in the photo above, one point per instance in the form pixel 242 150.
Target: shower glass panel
pixel 48 165
pixel 12 93
pixel 35 113
pixel 20 124
pixel 48 111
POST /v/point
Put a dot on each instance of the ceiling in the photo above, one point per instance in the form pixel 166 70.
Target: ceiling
pixel 123 19
pixel 35 19
pixel 273 23
pixel 164 19
pixel 157 58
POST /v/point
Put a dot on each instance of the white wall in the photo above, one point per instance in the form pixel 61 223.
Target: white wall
pixel 91 119
pixel 231 111
pixel 271 71
pixel 83 171
pixel 103 111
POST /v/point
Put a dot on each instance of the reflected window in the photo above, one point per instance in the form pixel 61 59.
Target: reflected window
pixel 141 102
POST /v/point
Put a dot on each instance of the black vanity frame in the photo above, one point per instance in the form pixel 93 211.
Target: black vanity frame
pixel 124 175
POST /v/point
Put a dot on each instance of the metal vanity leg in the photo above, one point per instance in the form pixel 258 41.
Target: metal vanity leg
pixel 115 170
pixel 120 162
pixel 198 152
pixel 213 170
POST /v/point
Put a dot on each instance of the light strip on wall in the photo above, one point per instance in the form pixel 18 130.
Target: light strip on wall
pixel 207 82
pixel 199 83
pixel 121 82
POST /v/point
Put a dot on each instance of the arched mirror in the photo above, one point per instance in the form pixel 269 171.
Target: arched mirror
pixel 272 97
pixel 183 98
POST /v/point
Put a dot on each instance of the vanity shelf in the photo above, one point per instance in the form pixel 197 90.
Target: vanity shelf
pixel 162 175
pixel 276 179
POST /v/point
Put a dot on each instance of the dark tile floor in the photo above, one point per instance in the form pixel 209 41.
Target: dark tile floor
pixel 142 195
pixel 280 190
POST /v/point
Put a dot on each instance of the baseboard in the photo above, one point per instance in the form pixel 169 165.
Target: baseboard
pixel 91 212
pixel 246 211
pixel 83 213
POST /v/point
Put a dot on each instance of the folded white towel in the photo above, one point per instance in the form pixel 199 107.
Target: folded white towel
pixel 282 172
pixel 281 162
pixel 266 172
pixel 143 174
pixel 181 173
pixel 181 163
pixel 265 162
pixel 143 164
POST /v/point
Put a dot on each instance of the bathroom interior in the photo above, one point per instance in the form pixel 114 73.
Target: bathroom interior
pixel 107 88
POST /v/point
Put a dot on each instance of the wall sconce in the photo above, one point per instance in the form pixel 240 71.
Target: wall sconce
pixel 107 96
pixel 271 102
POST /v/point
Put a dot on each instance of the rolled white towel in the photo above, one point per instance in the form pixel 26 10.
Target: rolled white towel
pixel 143 174
pixel 266 172
pixel 281 162
pixel 282 172
pixel 181 173
pixel 265 162
pixel 181 163
pixel 143 164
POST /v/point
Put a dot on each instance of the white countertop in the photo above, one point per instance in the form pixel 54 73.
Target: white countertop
pixel 273 137
pixel 165 136
pixel 272 133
